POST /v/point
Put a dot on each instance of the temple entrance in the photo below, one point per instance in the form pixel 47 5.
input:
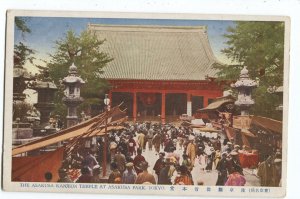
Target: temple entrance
pixel 148 104
pixel 197 103
pixel 126 98
pixel 175 104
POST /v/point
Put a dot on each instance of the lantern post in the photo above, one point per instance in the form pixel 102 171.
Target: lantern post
pixel 104 163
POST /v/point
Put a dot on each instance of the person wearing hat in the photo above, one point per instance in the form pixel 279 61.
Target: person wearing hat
pixel 236 176
pixel 228 147
pixel 236 160
pixel 236 147
pixel 129 175
pixel 115 176
pixel 144 176
pixel 222 170
pixel 137 161
pixel 158 164
pixel 112 148
pixel 233 163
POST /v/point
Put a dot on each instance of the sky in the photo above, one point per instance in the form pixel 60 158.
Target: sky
pixel 46 30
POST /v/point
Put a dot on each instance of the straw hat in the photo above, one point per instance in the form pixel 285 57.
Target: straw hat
pixel 233 153
pixel 113 145
pixel 129 165
pixel 97 166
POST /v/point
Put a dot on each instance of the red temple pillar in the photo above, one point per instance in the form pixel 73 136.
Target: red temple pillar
pixel 163 108
pixel 189 104
pixel 205 101
pixel 134 106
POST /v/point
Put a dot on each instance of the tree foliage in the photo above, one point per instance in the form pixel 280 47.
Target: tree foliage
pixel 20 24
pixel 260 47
pixel 22 54
pixel 85 52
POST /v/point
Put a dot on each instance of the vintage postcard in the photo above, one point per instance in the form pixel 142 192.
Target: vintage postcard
pixel 161 104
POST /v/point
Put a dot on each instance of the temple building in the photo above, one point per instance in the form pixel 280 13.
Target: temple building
pixel 159 71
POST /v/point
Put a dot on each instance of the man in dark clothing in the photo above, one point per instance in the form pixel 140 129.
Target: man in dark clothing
pixel 138 160
pixel 222 170
pixel 164 177
pixel 159 163
pixel 89 161
pixel 233 163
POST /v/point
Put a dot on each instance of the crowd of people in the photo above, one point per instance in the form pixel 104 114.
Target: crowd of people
pixel 128 165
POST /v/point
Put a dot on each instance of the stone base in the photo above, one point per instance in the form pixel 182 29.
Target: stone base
pixel 22 133
pixel 72 121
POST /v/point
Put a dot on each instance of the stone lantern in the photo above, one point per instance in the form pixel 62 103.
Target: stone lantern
pixel 21 76
pixel 72 94
pixel 45 104
pixel 21 79
pixel 244 85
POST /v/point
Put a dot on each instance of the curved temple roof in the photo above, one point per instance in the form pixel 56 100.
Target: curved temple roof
pixel 156 52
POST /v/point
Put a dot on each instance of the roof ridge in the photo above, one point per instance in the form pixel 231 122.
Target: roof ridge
pixel 203 27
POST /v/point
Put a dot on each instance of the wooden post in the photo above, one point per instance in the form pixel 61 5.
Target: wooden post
pixel 163 108
pixel 104 163
pixel 134 107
